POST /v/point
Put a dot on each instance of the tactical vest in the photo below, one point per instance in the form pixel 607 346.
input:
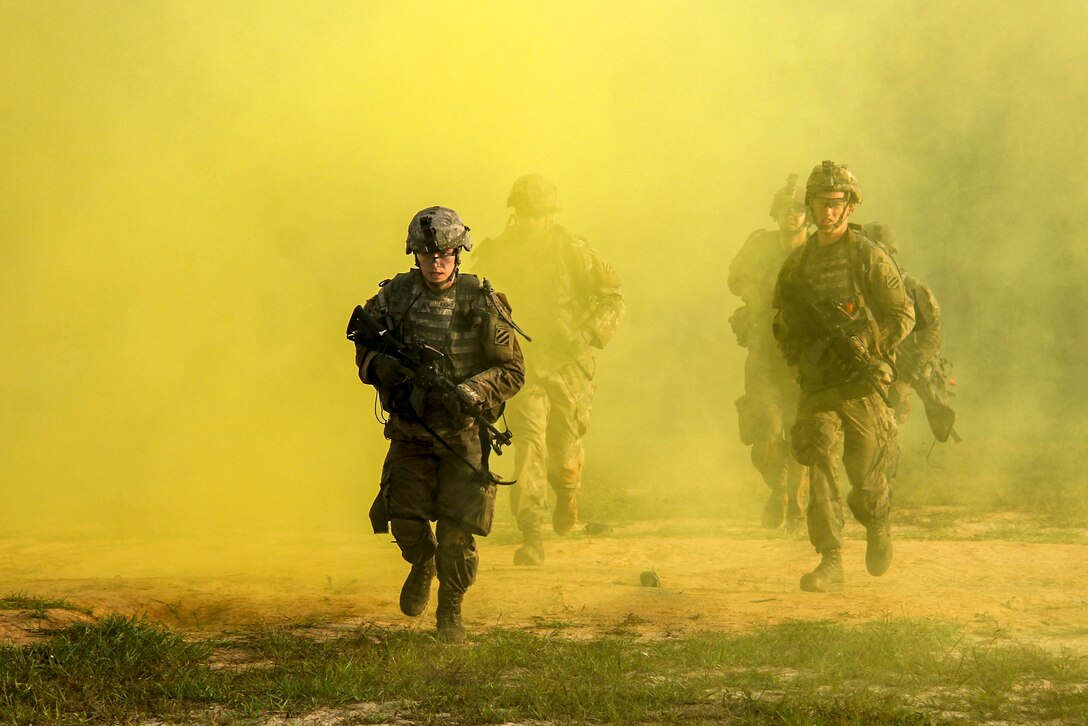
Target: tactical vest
pixel 858 271
pixel 452 322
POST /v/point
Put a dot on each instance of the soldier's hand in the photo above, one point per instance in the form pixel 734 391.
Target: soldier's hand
pixel 388 372
pixel 463 400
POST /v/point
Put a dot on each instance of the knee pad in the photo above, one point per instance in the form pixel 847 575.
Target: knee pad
pixel 452 536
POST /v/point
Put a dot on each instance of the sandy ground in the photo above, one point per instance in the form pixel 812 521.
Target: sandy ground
pixel 722 581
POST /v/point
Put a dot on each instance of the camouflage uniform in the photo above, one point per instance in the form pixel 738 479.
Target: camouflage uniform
pixel 423 479
pixel 919 363
pixel 766 411
pixel 840 418
pixel 569 302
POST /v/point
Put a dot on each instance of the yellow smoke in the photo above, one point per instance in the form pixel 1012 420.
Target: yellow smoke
pixel 193 195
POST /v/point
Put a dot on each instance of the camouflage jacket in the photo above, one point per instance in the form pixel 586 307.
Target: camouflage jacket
pixel 923 345
pixel 861 279
pixel 568 296
pixel 752 276
pixel 466 324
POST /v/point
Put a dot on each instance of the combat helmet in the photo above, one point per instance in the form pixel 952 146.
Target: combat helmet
pixel 832 177
pixel 534 195
pixel 435 229
pixel 883 235
pixel 791 195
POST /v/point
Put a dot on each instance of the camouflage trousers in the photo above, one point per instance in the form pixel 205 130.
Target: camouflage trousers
pixel 423 482
pixel 834 432
pixel 548 418
pixel 899 393
pixel 764 415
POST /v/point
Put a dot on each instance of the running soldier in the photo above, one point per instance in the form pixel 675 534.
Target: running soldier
pixel 438 346
pixel 570 303
pixel 919 362
pixel 766 410
pixel 842 311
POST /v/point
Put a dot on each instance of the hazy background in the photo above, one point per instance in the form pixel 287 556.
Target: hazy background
pixel 193 196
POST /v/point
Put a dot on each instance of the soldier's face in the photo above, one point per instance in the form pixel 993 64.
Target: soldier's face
pixel 791 219
pixel 830 211
pixel 532 224
pixel 438 268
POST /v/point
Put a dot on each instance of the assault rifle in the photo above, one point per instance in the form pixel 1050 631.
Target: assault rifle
pixel 427 375
pixel 851 351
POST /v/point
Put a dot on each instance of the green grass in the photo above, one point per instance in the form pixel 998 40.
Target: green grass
pixel 37 607
pixel 898 671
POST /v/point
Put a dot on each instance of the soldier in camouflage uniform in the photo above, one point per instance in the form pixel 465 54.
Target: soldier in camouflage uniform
pixel 918 361
pixel 842 311
pixel 570 303
pixel 766 410
pixel 435 470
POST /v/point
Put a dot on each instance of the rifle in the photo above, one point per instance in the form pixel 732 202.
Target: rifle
pixel 849 349
pixel 424 363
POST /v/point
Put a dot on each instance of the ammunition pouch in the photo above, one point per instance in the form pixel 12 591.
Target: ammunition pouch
pixel 756 420
pixel 741 323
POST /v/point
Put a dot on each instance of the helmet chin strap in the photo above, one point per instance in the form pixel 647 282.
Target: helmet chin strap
pixel 838 222
pixel 456 269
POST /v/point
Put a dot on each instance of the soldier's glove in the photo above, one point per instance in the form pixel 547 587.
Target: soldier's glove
pixel 463 400
pixel 388 372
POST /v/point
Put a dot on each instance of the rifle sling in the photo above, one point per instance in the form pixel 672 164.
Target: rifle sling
pixel 485 454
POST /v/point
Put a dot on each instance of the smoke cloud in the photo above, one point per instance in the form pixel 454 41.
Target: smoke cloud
pixel 194 195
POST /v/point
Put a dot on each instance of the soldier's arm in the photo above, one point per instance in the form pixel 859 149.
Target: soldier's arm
pixel 786 317
pixel 364 355
pixel 927 333
pixel 894 307
pixel 506 375
pixel 741 282
pixel 606 305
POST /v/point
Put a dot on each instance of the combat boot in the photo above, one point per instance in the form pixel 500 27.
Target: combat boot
pixel 878 549
pixel 828 576
pixel 416 590
pixel 531 552
pixel 774 512
pixel 566 512
pixel 448 616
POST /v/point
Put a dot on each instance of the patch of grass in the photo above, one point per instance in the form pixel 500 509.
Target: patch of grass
pixel 106 672
pixel 37 607
pixel 895 671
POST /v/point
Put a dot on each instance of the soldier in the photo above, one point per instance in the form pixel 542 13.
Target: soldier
pixel 436 468
pixel 765 412
pixel 842 311
pixel 571 303
pixel 919 362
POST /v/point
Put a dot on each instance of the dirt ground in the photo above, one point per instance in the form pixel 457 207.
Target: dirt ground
pixel 732 581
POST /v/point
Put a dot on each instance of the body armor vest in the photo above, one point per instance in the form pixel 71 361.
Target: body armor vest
pixel 449 321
